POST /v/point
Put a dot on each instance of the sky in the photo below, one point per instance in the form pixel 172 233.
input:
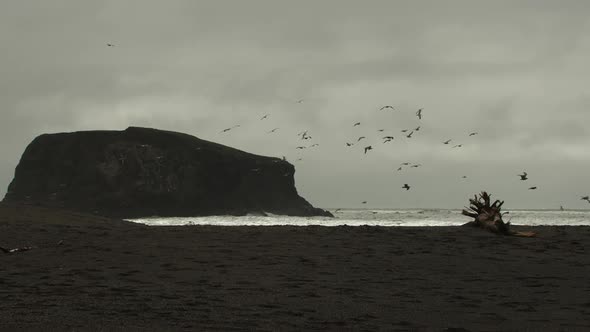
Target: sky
pixel 515 72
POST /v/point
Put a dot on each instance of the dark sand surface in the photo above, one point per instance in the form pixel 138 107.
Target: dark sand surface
pixel 117 276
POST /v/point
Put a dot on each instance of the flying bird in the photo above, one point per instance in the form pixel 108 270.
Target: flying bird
pixel 404 130
pixel 417 128
pixel 299 101
pixel 388 139
pixel 300 147
pixel 360 138
pixel 410 134
pixel 230 128
pixel 386 106
pixel 405 164
pixel 367 148
pixel 349 144
pixel 447 141
pixel 380 130
pixel 473 133
pixel 532 188
pixel 110 45
pixel 364 202
pixel 400 168
pixel 419 114
pixel 356 124
pixel 264 117
pixel 464 177
pixel 523 176
pixel 416 165
pixel 586 198
pixel 458 146
pixel 405 186
pixel 272 131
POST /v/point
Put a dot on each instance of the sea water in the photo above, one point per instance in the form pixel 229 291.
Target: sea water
pixel 382 217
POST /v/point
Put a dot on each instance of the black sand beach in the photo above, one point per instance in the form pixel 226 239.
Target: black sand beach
pixel 112 275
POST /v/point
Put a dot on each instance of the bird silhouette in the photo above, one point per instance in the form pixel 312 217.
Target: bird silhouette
pixel 364 202
pixel 405 186
pixel 264 117
pixel 406 164
pixel 380 130
pixel 300 147
pixel 230 128
pixel 367 148
pixel 585 198
pixel 349 144
pixel 410 134
pixel 110 45
pixel 419 114
pixel 400 168
pixel 473 133
pixel 464 177
pixel 360 138
pixel 388 139
pixel 404 130
pixel 299 101
pixel 386 107
pixel 532 188
pixel 417 128
pixel 523 176
pixel 447 141
pixel 416 165
pixel 272 131
pixel 356 124
pixel 458 146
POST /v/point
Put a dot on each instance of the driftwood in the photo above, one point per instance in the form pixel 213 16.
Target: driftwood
pixel 489 216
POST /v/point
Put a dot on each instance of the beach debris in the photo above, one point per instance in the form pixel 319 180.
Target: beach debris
pixel 14 250
pixel 489 216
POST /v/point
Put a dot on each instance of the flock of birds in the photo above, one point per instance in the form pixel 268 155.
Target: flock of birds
pixel 386 139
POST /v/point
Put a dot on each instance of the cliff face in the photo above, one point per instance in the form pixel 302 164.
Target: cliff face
pixel 142 172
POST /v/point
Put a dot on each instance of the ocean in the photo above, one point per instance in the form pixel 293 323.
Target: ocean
pixel 382 217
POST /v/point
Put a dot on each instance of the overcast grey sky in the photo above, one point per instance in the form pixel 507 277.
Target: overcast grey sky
pixel 514 71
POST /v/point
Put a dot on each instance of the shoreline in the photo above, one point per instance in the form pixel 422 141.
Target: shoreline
pixel 87 273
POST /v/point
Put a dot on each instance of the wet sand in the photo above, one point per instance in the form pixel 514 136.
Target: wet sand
pixel 110 275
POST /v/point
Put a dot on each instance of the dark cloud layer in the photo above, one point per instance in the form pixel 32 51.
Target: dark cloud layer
pixel 515 72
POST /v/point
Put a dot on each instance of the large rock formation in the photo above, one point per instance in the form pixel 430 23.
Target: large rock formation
pixel 143 172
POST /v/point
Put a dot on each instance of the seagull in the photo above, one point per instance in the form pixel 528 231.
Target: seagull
pixel 360 138
pixel 299 159
pixel 405 164
pixel 230 128
pixel 264 117
pixel 416 165
pixel 300 147
pixel 410 134
pixel 523 176
pixel 272 131
pixel 464 177
pixel 405 186
pixel 388 139
pixel 364 202
pixel 400 168
pixel 299 101
pixel 110 45
pixel 586 198
pixel 447 141
pixel 386 106
pixel 532 188
pixel 380 130
pixel 473 133
pixel 349 144
pixel 417 128
pixel 458 146
pixel 404 130
pixel 419 114
pixel 367 148
pixel 356 124
pixel 337 210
